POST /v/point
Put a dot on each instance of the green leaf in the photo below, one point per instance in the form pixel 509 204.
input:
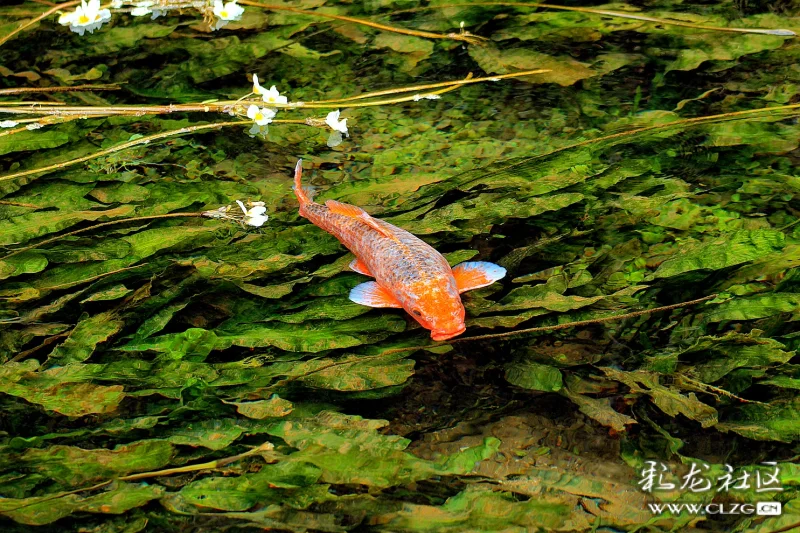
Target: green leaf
pixel 534 376
pixel 722 251
pixel 312 336
pixel 84 338
pixel 348 449
pixel 70 399
pixel 243 492
pixel 212 434
pixel 600 410
pixel 754 307
pixel 358 373
pixel 482 509
pixel 275 407
pixel 74 467
pixel 779 420
pixel 32 140
pixel 43 510
pixel 669 400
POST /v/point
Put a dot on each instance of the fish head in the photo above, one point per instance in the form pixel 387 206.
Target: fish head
pixel 437 307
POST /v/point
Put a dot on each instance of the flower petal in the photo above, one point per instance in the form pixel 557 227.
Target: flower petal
pixel 256 221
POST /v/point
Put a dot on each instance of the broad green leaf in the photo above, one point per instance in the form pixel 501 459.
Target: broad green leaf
pixel 212 434
pixel 349 447
pixel 722 251
pixel 754 307
pixel 74 467
pixel 600 410
pixel 669 400
pixel 84 338
pixel 32 140
pixel 243 492
pixel 356 373
pixel 41 510
pixel 481 509
pixel 70 399
pixel 777 421
pixel 312 336
pixel 275 407
pixel 534 376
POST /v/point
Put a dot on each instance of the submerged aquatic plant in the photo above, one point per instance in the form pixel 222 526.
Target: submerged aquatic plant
pixel 170 364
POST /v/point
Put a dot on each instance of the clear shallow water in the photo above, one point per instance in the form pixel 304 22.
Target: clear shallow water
pixel 159 343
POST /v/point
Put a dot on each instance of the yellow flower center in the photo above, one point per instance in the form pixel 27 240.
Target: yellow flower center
pixel 97 17
pixel 271 99
pixel 259 116
pixel 83 19
pixel 223 14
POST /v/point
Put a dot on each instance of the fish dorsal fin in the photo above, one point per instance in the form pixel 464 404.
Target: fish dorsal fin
pixel 359 266
pixel 353 211
pixel 373 295
pixel 476 274
pixel 347 210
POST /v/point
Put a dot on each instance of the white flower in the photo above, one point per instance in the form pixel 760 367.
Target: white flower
pixel 258 131
pixel 145 8
pixel 229 11
pixel 262 116
pixel 255 215
pixel 257 88
pixel 87 17
pixel 8 123
pixel 273 96
pixel 333 121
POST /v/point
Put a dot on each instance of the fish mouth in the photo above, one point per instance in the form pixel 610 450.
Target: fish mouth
pixel 444 335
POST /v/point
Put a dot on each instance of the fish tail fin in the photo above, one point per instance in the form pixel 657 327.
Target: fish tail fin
pixel 303 194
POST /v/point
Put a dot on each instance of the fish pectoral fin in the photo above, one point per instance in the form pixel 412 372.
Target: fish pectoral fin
pixel 373 295
pixel 353 211
pixel 359 266
pixel 476 274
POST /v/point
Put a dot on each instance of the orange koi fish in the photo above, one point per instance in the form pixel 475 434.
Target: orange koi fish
pixel 408 272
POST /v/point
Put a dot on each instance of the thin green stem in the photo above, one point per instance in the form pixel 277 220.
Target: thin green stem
pixel 97 226
pixel 125 146
pixel 35 20
pixel 464 36
pixel 606 13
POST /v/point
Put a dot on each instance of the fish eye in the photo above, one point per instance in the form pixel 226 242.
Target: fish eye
pixel 416 312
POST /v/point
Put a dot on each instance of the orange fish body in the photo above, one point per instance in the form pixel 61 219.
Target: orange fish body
pixel 408 272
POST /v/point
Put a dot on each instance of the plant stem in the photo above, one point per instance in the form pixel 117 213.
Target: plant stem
pixel 41 17
pixel 606 13
pixel 97 226
pixel 465 37
pixel 125 146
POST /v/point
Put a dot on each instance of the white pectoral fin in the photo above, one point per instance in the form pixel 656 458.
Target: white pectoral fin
pixel 373 295
pixel 476 274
